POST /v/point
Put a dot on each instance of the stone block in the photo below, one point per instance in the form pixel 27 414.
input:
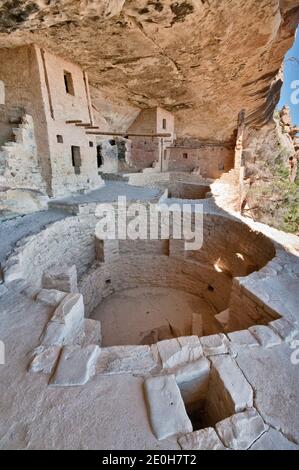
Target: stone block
pixel 76 365
pixel 107 251
pixel 63 278
pixel 67 322
pixel 273 440
pixel 240 431
pixel 50 297
pixel 177 351
pixel 127 360
pixel 243 338
pixel 167 411
pixel 265 336
pixel 204 439
pixel 214 344
pixel 286 330
pixel 229 392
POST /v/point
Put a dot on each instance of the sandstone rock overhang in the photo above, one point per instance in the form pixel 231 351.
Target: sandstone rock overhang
pixel 203 60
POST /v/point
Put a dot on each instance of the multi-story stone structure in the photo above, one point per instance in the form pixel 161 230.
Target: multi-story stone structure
pixel 53 92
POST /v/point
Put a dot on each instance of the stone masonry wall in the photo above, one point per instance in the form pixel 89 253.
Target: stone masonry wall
pixel 211 160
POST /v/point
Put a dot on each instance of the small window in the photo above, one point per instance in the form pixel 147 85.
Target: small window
pixel 165 154
pixel 76 159
pixel 185 155
pixel 164 123
pixel 59 139
pixel 112 142
pixel 68 82
pixel 90 144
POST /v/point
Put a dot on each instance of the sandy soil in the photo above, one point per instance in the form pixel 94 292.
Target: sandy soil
pixel 128 316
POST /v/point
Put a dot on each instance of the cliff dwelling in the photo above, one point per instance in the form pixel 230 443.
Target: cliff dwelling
pixel 149 250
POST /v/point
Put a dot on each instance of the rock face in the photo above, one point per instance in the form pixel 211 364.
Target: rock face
pixel 190 57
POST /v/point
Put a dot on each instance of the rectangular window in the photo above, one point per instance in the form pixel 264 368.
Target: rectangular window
pixel 164 123
pixel 185 155
pixel 90 144
pixel 68 82
pixel 76 159
pixel 59 139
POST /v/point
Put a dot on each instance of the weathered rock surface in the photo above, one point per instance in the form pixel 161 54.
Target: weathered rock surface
pixel 205 439
pixel 126 360
pixel 273 440
pixel 76 365
pixel 167 411
pixel 159 56
pixel 241 430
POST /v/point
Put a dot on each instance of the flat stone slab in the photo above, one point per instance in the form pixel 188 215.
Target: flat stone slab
pixel 76 365
pixel 167 411
pixel 214 344
pixel 138 360
pixel 241 430
pixel 273 440
pixel 265 336
pixel 204 439
pixel 233 382
pixel 275 381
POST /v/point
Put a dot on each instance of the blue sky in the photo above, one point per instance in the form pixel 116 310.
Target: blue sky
pixel 291 73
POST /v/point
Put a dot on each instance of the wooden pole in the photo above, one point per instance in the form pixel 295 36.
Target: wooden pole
pixel 124 134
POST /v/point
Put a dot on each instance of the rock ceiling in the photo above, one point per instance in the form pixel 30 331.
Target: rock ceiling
pixel 205 60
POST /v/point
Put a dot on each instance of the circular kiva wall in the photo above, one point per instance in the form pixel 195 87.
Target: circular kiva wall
pixel 161 286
